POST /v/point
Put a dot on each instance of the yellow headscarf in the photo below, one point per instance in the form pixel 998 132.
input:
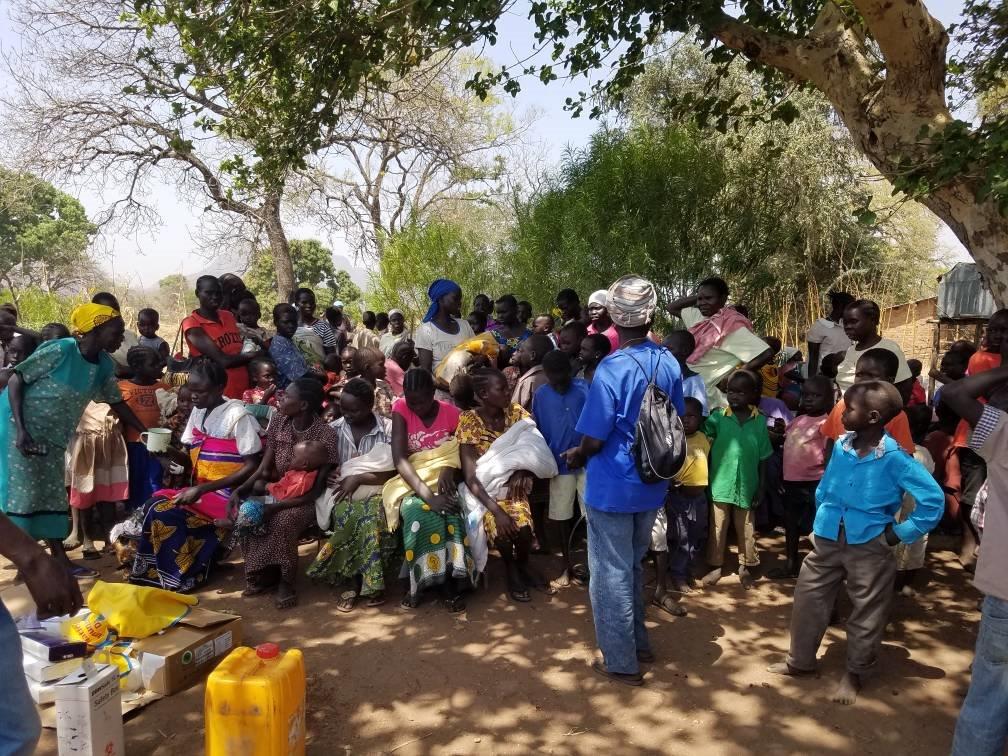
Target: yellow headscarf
pixel 87 317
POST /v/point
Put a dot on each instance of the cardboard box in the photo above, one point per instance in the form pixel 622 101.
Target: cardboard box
pixel 184 653
pixel 89 713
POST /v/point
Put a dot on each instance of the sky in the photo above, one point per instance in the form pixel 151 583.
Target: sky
pixel 141 258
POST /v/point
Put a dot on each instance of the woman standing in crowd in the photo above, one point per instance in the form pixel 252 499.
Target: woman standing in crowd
pixel 179 544
pixel 212 331
pixel 433 532
pixel 861 324
pixel 305 301
pixel 509 331
pixel 396 332
pixel 298 419
pixel 39 411
pixel 442 329
pixel 599 321
pixel 724 338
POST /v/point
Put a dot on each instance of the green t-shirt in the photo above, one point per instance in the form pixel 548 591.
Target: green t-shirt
pixel 736 451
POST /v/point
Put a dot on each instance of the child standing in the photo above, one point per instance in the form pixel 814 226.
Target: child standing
pixel 148 322
pixel 910 557
pixel 855 532
pixel 556 408
pixel 19 348
pixel 686 503
pixel 740 447
pixel 804 463
pixel 139 392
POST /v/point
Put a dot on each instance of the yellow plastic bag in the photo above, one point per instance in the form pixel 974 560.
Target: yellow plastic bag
pixel 135 611
pixel 459 358
pixel 93 630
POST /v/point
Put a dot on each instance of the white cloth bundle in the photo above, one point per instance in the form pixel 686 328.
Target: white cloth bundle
pixel 521 447
pixel 379 459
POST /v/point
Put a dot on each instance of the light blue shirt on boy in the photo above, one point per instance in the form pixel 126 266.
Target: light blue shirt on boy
pixel 864 493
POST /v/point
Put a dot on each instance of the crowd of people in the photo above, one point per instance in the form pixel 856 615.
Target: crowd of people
pixel 417 451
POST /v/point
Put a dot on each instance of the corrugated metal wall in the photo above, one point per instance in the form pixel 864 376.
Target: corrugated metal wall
pixel 962 293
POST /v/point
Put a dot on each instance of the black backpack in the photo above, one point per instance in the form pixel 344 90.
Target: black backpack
pixel 659 447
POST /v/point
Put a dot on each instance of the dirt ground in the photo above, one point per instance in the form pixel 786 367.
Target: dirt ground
pixel 510 678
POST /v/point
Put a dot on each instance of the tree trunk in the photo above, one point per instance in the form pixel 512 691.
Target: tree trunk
pixel 886 111
pixel 279 248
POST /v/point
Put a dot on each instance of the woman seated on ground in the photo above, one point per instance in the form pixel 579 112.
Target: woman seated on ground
pixel 353 552
pixel 433 531
pixel 271 555
pixel 179 545
pixel 508 521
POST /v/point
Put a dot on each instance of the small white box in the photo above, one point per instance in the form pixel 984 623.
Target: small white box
pixel 42 693
pixel 89 713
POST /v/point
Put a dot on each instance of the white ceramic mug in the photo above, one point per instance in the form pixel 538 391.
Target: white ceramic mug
pixel 156 439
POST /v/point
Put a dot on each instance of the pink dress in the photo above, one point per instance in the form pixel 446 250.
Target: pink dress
pixel 609 333
pixel 420 437
pixel 804 447
pixel 394 376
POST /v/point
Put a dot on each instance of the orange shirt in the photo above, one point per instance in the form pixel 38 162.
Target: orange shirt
pixel 980 362
pixel 293 484
pixel 898 428
pixel 143 402
pixel 225 335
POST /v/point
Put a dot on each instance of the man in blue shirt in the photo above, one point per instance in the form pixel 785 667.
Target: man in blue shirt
pixel 855 534
pixel 622 508
pixel 556 407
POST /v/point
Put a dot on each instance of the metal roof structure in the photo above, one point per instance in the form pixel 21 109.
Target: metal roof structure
pixel 963 294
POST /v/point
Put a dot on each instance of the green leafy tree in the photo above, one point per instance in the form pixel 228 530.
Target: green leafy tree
pixel 775 213
pixel 313 268
pixel 883 66
pixel 462 247
pixel 44 236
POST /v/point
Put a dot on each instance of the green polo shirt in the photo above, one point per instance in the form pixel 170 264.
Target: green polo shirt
pixel 736 451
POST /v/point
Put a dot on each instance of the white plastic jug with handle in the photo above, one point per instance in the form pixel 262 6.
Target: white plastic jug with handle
pixel 156 439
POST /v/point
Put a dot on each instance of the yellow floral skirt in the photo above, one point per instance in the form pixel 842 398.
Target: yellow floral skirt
pixel 519 511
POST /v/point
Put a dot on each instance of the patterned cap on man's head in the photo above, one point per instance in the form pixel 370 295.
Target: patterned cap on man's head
pixel 632 301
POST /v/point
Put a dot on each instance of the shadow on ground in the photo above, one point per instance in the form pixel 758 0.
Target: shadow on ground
pixel 512 678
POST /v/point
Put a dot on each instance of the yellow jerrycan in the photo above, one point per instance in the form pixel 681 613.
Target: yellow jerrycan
pixel 255 703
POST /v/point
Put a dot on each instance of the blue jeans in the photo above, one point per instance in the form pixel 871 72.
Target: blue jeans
pixel 19 722
pixel 617 542
pixel 982 729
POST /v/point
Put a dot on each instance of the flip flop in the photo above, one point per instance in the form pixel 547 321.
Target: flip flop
pixel 407 603
pixel 80 571
pixel 377 600
pixel 347 601
pixel 455 604
pixel 90 554
pixel 634 681
pixel 668 604
pixel 287 602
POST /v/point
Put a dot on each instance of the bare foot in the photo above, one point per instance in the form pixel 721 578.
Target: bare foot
pixel 564 581
pixel 746 577
pixel 846 692
pixel 783 668
pixel 712 577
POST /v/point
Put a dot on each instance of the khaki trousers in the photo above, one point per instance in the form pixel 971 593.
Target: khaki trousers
pixel 745 531
pixel 870 569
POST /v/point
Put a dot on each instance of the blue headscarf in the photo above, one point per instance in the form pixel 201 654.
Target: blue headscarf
pixel 441 287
